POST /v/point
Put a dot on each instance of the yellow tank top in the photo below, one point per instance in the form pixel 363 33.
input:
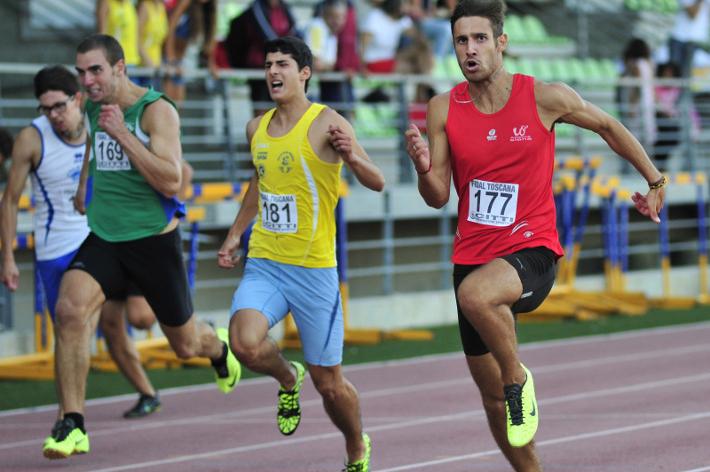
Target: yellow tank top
pixel 155 31
pixel 122 24
pixel 298 193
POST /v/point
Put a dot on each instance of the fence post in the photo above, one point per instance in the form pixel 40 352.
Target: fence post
pixel 388 244
pixel 229 164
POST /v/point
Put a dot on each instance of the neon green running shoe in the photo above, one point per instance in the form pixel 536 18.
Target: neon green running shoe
pixel 363 465
pixel 522 415
pixel 67 439
pixel 288 415
pixel 227 376
pixel 55 429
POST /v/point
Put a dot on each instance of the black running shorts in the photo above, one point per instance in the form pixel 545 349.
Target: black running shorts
pixel 536 268
pixel 154 264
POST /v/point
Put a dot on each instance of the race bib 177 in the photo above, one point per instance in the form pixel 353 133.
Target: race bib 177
pixel 492 203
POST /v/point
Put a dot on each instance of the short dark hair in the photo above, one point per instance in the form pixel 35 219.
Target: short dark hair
pixel 293 46
pixel 6 141
pixel 55 78
pixel 494 10
pixel 111 47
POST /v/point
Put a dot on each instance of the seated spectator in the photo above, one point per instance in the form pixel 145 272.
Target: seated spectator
pixel 322 37
pixel 381 33
pixel 189 21
pixel 263 20
pixel 433 18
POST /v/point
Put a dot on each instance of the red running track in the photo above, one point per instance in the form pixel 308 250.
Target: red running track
pixel 637 401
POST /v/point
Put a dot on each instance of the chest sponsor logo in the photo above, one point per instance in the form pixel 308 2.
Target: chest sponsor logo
pixel 520 134
pixel 78 157
pixel 286 161
pixel 491 135
pixel 261 156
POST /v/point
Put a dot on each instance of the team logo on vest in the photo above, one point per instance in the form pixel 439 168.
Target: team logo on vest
pixel 519 134
pixel 261 170
pixel 492 135
pixel 286 161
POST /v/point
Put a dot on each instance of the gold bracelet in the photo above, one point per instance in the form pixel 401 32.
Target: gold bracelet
pixel 660 183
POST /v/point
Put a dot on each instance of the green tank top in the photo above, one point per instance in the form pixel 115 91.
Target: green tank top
pixel 122 206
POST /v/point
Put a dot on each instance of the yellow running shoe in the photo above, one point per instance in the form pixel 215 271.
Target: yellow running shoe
pixel 288 415
pixel 67 440
pixel 522 415
pixel 227 376
pixel 363 465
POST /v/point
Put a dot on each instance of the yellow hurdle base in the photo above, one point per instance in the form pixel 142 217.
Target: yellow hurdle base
pixel 673 303
pixel 38 366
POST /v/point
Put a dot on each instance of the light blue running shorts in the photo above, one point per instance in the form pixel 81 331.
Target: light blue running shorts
pixel 311 295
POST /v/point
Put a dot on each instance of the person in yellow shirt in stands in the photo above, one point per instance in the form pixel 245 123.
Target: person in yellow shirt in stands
pixel 152 33
pixel 119 18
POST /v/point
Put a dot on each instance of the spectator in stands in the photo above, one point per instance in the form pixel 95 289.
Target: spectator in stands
pixel 6 141
pixel 433 18
pixel 188 21
pixel 690 30
pixel 669 117
pixel 668 132
pixel 637 108
pixel 321 36
pixel 381 33
pixel 494 134
pixel 152 32
pixel 264 20
pixel 118 18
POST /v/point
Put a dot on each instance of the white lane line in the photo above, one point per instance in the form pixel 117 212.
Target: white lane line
pixel 420 388
pixel 701 469
pixel 465 415
pixel 560 440
pixel 595 338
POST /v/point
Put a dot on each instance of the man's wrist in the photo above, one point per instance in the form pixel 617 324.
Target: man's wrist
pixel 658 184
pixel 424 172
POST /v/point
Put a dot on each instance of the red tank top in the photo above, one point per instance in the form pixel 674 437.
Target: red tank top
pixel 502 168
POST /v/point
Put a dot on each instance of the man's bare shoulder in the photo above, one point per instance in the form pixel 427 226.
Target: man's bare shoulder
pixel 160 114
pixel 28 143
pixel 440 100
pixel 438 108
pixel 556 96
pixel 252 126
pixel 328 116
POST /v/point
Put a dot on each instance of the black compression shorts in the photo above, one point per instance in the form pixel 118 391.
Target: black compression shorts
pixel 536 268
pixel 154 264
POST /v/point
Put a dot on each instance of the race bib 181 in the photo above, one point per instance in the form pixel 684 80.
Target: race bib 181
pixel 492 203
pixel 279 213
pixel 109 154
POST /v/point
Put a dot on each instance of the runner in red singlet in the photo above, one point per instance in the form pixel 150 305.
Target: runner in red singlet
pixel 494 133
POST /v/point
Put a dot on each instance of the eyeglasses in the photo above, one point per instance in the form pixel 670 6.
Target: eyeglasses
pixel 59 107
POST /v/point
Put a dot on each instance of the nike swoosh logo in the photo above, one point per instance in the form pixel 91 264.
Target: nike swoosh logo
pixel 235 381
pixel 534 410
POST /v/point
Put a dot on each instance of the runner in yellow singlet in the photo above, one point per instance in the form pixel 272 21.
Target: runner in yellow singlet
pixel 297 149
